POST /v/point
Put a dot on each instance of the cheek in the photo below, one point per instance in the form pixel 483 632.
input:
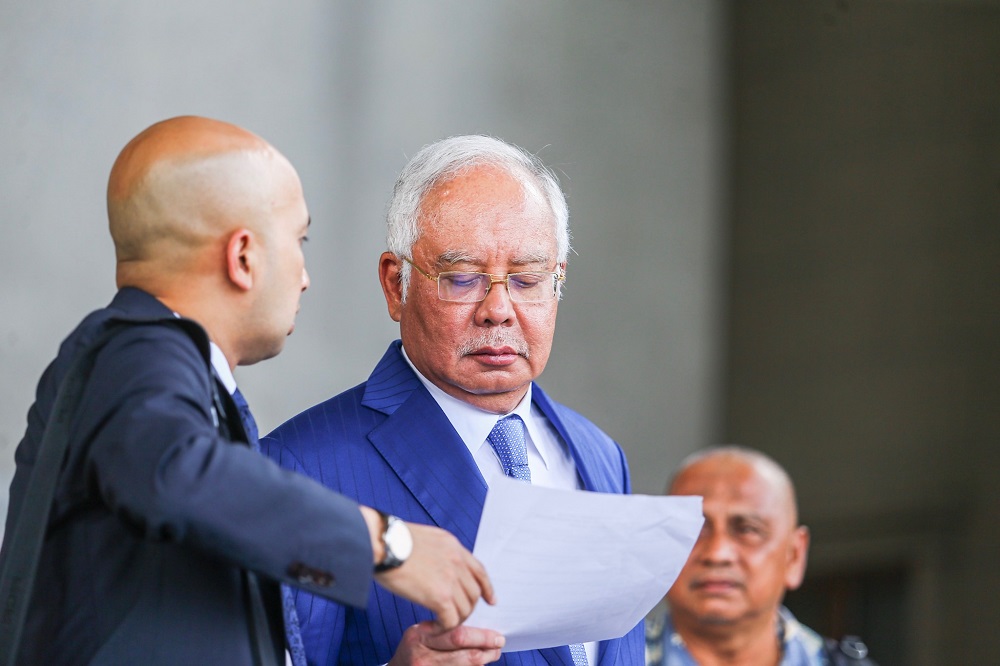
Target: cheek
pixel 539 329
pixel 766 566
pixel 434 328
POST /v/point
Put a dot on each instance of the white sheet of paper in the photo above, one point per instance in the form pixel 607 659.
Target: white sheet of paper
pixel 574 566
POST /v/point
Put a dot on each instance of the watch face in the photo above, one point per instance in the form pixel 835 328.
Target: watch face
pixel 398 539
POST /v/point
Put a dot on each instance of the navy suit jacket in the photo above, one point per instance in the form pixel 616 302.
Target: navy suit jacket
pixel 387 444
pixel 156 513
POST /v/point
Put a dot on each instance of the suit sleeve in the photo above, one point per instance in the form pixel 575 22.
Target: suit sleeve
pixel 149 450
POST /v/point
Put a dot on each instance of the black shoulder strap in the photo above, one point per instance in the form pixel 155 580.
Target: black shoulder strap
pixel 24 547
pixel 19 568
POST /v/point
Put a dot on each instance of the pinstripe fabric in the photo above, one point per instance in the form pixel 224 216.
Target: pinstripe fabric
pixel 387 444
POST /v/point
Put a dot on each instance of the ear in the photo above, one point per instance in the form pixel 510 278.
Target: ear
pixel 798 552
pixel 389 275
pixel 240 259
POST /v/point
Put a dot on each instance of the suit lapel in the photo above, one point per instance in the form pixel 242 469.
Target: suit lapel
pixel 423 449
pixel 607 652
pixel 592 471
pixel 557 656
pixel 595 476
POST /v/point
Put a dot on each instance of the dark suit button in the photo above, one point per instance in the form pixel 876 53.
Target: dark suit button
pixel 309 576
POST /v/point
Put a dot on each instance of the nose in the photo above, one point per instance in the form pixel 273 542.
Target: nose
pixel 496 308
pixel 305 279
pixel 715 547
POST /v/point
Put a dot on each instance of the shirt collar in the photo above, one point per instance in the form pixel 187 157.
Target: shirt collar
pixel 221 367
pixel 790 632
pixel 472 424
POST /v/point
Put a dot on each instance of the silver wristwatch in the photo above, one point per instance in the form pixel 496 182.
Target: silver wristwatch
pixel 397 540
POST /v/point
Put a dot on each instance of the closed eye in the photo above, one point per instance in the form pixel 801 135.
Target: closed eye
pixel 462 280
pixel 528 280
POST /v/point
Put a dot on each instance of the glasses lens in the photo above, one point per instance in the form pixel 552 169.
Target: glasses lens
pixel 531 287
pixel 462 287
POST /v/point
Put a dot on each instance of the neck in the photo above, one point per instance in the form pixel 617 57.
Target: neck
pixel 495 403
pixel 193 301
pixel 757 646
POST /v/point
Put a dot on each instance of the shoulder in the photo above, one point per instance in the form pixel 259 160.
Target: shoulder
pixel 337 415
pixel 799 640
pixel 167 347
pixel 567 417
pixel 811 648
pixel 150 368
pixel 136 342
pixel 663 646
pixel 598 453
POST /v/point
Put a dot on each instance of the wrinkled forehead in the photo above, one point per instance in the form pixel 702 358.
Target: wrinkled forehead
pixel 479 184
pixel 486 213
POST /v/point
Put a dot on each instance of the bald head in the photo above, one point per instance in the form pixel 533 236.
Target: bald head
pixel 750 551
pixel 724 463
pixel 184 182
pixel 210 219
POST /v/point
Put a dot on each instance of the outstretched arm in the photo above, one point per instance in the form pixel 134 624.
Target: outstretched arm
pixel 440 574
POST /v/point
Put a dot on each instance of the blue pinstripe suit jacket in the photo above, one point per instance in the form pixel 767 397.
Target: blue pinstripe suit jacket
pixel 387 444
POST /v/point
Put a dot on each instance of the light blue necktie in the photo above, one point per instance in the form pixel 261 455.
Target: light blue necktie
pixel 293 633
pixel 507 440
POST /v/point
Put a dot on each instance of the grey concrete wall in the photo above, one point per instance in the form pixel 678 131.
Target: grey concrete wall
pixel 865 292
pixel 625 100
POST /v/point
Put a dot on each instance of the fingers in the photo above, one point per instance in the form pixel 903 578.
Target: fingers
pixel 448 616
pixel 470 584
pixel 483 581
pixel 460 638
pixel 425 644
pixel 474 581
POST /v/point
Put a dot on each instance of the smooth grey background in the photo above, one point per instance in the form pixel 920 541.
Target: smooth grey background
pixel 785 218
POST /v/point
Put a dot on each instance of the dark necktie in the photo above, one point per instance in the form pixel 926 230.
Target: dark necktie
pixel 293 633
pixel 249 424
pixel 507 440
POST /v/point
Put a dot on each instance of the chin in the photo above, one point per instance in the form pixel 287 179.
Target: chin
pixel 264 352
pixel 718 614
pixel 711 613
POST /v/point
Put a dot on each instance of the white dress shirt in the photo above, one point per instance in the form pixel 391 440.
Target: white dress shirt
pixel 221 367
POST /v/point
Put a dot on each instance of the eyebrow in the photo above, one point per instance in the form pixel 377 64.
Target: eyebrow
pixel 749 517
pixel 452 257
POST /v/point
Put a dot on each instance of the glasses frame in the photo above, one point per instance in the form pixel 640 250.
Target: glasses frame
pixel 558 276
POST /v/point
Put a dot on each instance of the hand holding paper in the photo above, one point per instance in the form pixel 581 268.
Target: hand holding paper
pixel 575 566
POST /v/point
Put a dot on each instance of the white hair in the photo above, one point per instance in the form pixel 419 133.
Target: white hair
pixel 446 159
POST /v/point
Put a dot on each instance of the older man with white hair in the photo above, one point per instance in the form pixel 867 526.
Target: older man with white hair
pixel 478 241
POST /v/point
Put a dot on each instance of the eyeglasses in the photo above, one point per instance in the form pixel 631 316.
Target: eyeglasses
pixel 471 287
